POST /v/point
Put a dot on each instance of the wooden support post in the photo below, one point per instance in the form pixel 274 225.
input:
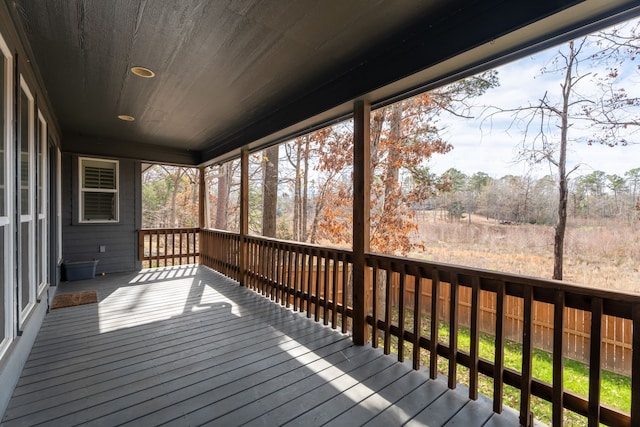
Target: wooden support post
pixel 202 214
pixel 244 215
pixel 203 211
pixel 361 220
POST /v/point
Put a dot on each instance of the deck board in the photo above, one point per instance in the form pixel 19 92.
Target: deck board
pixel 186 346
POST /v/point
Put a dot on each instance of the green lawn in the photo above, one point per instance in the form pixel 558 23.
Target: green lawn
pixel 615 389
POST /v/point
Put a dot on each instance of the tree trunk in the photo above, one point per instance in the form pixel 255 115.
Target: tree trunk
pixel 305 189
pixel 558 239
pixel 561 226
pixel 270 191
pixel 392 168
pixel 222 204
pixel 297 193
pixel 175 180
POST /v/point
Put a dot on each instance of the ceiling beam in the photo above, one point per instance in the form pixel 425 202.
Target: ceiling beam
pixel 103 147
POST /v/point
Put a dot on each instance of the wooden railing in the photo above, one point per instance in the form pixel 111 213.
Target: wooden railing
pixel 162 247
pixel 305 277
pixel 414 276
pixel 220 250
pixel 409 300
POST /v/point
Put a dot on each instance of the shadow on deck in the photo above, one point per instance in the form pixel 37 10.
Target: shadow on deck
pixel 187 346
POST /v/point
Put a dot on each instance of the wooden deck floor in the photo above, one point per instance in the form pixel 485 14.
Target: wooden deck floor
pixel 186 346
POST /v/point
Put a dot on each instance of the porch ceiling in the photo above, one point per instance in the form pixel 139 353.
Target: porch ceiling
pixel 232 73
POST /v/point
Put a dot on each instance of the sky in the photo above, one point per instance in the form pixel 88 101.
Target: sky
pixel 489 147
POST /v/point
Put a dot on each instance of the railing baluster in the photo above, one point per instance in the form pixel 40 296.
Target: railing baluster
pixel 316 310
pixel 173 250
pixel 401 315
pixel 280 285
pixel 188 254
pixel 345 278
pixel 474 338
pixel 374 307
pixel 498 372
pixel 558 360
pixel 152 253
pixel 594 361
pixel 296 269
pixel 195 247
pixel 417 317
pixel 192 248
pixel 255 272
pixel 251 264
pixel 264 257
pixel 154 260
pixel 279 281
pixel 453 332
pixel 271 275
pixel 303 264
pixel 309 284
pixel 387 313
pixel 162 259
pixel 334 292
pixel 527 358
pixel 277 272
pixel 433 348
pixel 325 317
pixel 289 273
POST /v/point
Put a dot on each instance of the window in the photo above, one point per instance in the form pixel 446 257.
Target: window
pixel 26 177
pixel 98 190
pixel 42 242
pixel 7 285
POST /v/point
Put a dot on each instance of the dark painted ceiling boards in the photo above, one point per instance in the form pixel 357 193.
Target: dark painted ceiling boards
pixel 230 73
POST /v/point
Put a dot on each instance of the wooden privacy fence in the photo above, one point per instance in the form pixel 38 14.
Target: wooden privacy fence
pixel 409 300
pixel 162 247
pixel 616 336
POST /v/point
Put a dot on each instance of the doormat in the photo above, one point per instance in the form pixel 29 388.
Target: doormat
pixel 77 298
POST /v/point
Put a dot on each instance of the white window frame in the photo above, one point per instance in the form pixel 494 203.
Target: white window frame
pixel 42 214
pixel 82 190
pixel 6 225
pixel 30 216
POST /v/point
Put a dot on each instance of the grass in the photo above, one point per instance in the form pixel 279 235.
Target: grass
pixel 615 389
pixel 603 253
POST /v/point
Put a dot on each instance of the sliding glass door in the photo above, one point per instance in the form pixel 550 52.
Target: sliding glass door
pixel 7 290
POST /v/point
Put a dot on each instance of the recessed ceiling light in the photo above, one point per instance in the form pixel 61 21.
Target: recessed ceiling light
pixel 143 72
pixel 126 118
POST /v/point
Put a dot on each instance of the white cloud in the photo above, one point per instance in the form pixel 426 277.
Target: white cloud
pixel 491 147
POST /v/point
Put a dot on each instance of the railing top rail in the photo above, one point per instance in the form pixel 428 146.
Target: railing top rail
pixel 487 277
pixel 217 230
pixel 307 247
pixel 169 229
pixel 288 243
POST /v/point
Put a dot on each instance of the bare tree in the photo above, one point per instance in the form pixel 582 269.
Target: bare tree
pixel 586 100
pixel 270 191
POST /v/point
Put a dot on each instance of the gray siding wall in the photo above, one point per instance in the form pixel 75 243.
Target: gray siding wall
pixel 81 242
